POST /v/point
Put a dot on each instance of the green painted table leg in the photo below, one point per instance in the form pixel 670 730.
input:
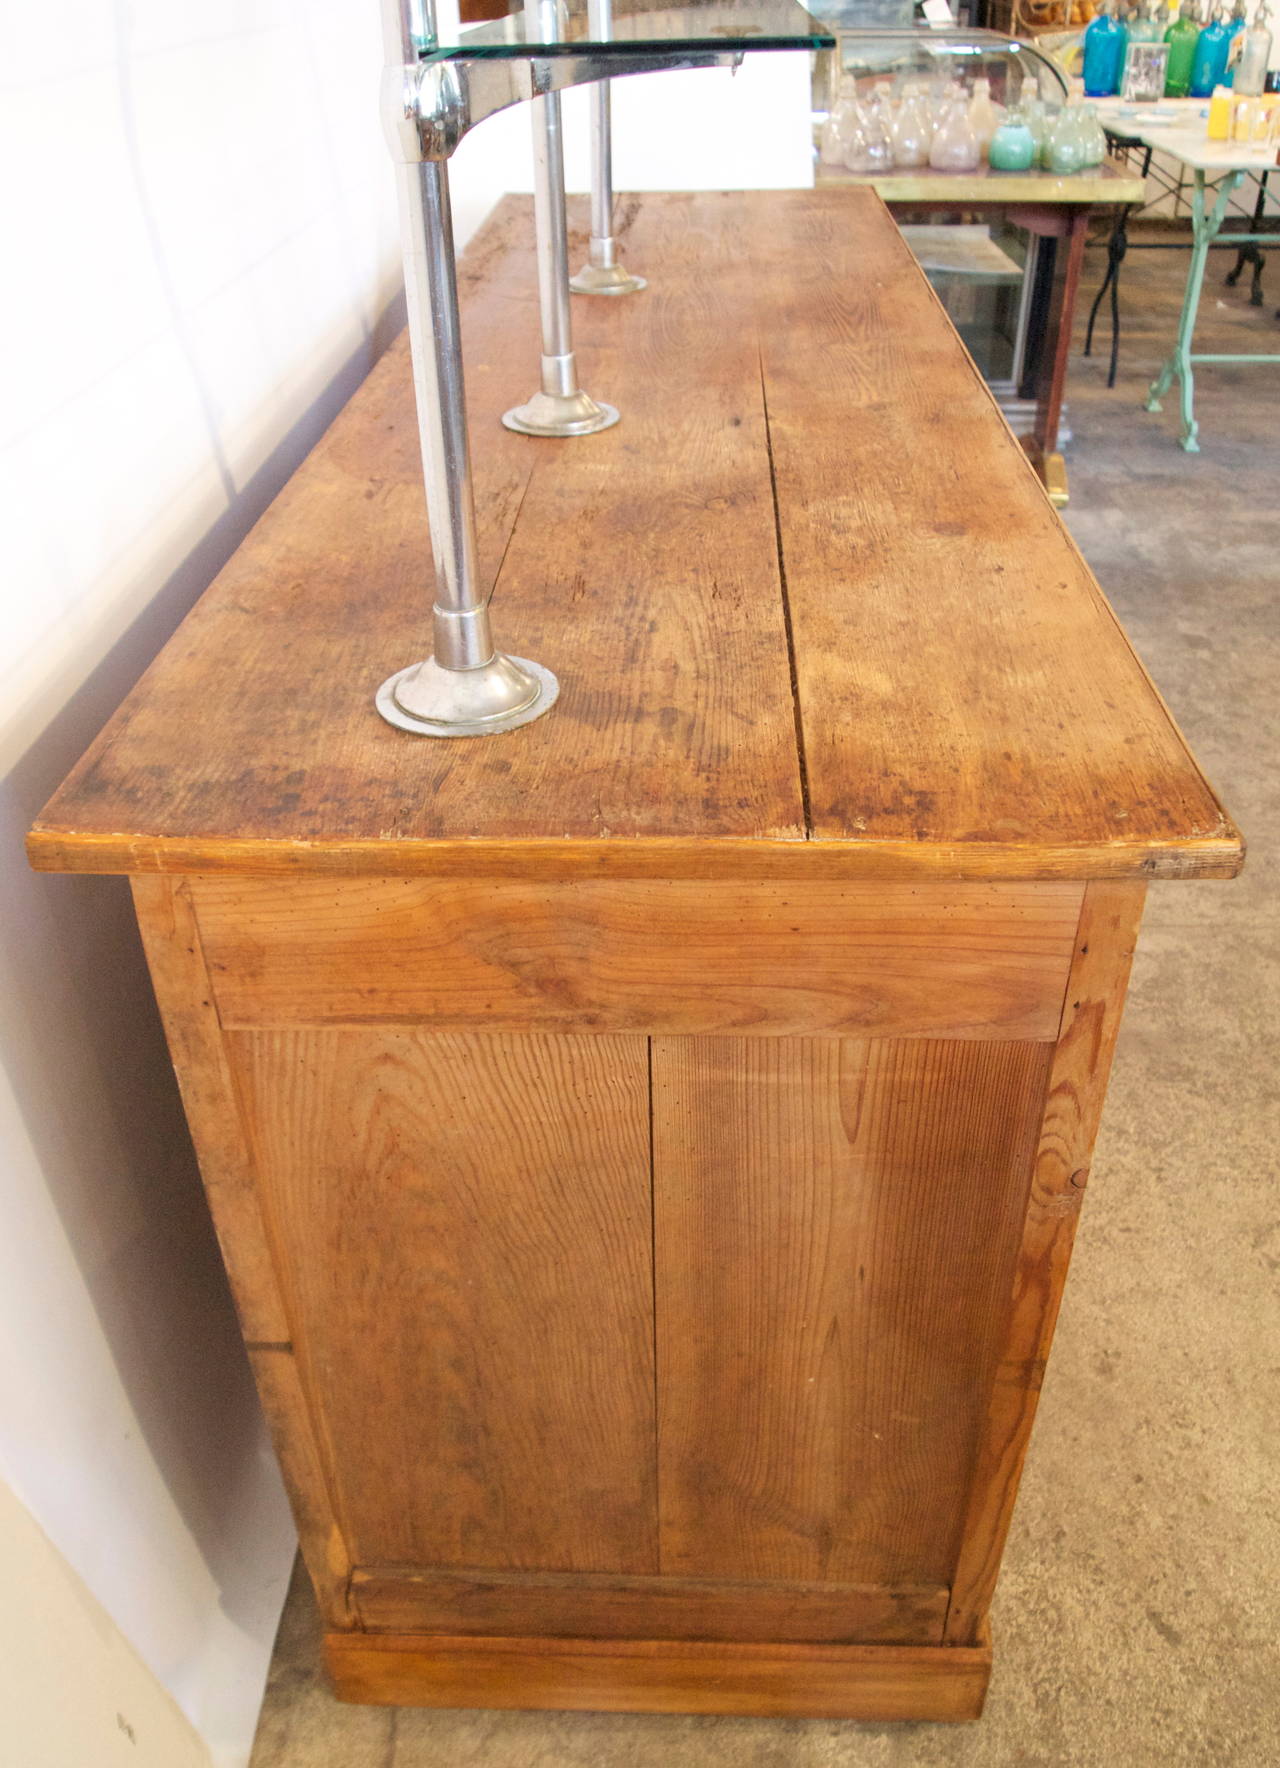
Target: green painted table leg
pixel 1205 225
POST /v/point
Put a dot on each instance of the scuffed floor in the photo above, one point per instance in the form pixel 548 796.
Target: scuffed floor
pixel 1137 1618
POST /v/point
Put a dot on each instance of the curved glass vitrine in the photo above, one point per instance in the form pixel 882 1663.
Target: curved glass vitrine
pixel 1014 70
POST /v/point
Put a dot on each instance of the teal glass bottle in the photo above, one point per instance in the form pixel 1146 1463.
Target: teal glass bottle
pixel 1209 63
pixel 1013 146
pixel 1104 45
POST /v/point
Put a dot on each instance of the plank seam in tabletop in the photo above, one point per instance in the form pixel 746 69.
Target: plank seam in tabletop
pixel 786 606
pixel 809 606
pixel 807 268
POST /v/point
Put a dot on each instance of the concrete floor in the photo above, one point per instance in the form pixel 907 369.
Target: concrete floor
pixel 1136 1621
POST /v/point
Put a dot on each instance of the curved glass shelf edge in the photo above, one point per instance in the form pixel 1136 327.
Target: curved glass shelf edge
pixel 638 27
pixel 883 51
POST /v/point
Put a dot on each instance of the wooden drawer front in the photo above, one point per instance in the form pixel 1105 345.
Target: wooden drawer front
pixel 686 957
pixel 393 1599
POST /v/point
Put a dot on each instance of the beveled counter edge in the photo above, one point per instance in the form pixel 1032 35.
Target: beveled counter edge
pixel 1217 855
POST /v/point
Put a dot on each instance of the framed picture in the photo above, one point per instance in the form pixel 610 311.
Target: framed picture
pixel 1144 71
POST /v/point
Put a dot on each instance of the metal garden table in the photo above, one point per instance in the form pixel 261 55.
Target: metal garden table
pixel 1218 168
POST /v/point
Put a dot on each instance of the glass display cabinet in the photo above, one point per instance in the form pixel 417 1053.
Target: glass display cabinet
pixel 986 269
pixel 1016 70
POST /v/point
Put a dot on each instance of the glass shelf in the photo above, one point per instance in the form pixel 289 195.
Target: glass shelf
pixel 722 26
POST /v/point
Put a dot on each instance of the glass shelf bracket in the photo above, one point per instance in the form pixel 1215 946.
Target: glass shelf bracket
pixel 437 86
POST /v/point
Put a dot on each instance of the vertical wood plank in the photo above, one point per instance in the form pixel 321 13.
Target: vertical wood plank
pixel 465 1237
pixel 835 1228
pixel 171 939
pixel 1077 1087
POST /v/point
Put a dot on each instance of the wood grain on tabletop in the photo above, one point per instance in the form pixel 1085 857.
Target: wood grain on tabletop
pixel 660 1676
pixel 464 1238
pixel 642 568
pixel 835 1229
pixel 969 705
pixel 606 1606
pixel 1076 1092
pixel 890 960
pixel 960 674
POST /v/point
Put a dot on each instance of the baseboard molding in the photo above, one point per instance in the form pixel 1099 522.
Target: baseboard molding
pixel 877 1682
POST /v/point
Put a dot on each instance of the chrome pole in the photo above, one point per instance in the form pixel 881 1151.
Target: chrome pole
pixel 602 274
pixel 465 688
pixel 560 407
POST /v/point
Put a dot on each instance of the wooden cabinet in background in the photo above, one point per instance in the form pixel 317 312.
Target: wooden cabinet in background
pixel 647 1146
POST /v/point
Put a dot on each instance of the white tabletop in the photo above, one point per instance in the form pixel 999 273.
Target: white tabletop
pixel 1178 126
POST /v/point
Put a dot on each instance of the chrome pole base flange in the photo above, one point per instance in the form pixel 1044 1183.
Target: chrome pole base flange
pixel 434 702
pixel 606 279
pixel 560 414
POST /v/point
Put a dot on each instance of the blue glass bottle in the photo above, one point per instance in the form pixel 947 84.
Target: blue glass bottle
pixel 1104 46
pixel 1209 65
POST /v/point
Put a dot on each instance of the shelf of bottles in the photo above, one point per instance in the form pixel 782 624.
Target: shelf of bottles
pixel 1143 54
pixel 948 101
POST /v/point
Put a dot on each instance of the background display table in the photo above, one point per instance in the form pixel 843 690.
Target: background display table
pixel 1054 210
pixel 647 1145
pixel 1217 168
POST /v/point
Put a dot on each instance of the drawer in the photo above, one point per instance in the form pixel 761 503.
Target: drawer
pixel 680 957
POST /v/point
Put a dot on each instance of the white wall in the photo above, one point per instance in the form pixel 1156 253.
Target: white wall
pixel 698 129
pixel 202 256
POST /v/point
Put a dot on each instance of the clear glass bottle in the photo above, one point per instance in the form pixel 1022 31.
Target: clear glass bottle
pixel 1255 54
pixel 1181 37
pixel 911 136
pixel 1036 113
pixel 984 115
pixel 1065 147
pixel 1148 25
pixel 955 144
pixel 839 121
pixel 1092 136
pixel 866 145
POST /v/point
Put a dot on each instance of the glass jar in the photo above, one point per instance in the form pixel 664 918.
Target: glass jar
pixel 1065 149
pixel 1013 146
pixel 911 135
pixel 866 146
pixel 984 115
pixel 955 144
pixel 1092 135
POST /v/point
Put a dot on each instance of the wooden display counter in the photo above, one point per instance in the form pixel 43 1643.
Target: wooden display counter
pixel 647 1145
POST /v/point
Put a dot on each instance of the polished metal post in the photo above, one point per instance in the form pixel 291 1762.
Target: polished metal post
pixel 602 274
pixel 560 407
pixel 466 688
